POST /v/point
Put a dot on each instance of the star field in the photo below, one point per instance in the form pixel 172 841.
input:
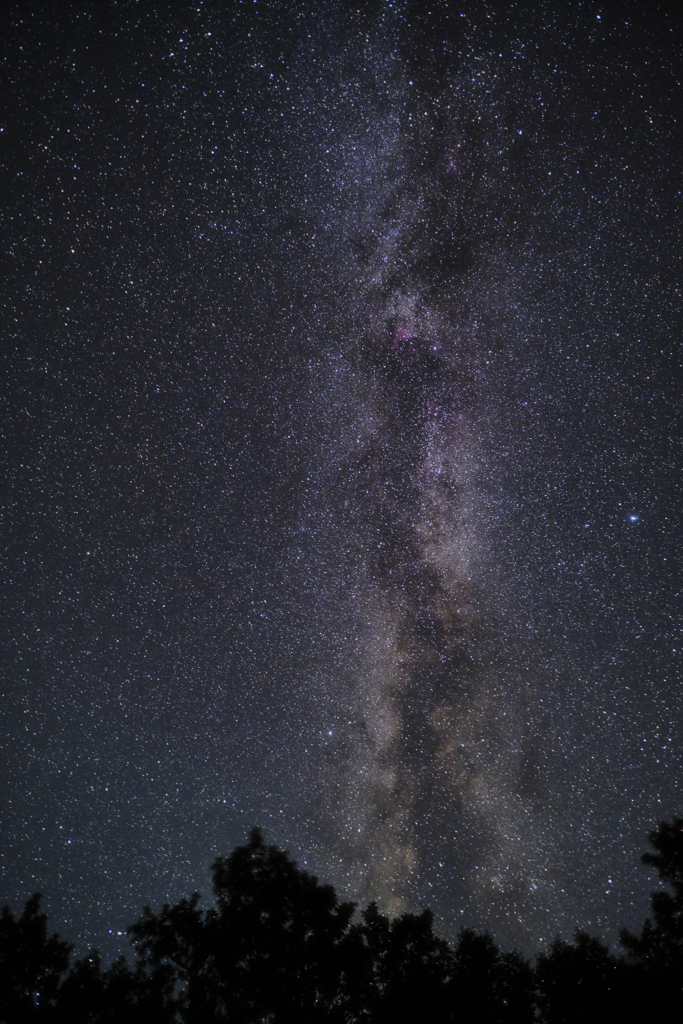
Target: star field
pixel 341 425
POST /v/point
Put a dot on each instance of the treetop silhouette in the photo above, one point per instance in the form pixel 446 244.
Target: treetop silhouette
pixel 658 950
pixel 279 947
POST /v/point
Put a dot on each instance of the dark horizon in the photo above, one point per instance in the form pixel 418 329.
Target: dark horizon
pixel 279 946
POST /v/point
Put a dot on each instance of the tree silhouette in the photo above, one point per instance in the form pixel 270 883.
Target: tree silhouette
pixel 579 982
pixel 81 998
pixel 658 950
pixel 404 967
pixel 277 947
pixel 490 986
pixel 31 964
pixel 89 995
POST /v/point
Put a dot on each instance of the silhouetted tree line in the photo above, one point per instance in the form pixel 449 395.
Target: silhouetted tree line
pixel 278 947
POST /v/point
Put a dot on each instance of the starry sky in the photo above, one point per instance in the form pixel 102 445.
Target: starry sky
pixel 341 433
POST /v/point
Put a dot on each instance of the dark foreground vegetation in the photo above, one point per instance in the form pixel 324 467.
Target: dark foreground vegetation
pixel 278 947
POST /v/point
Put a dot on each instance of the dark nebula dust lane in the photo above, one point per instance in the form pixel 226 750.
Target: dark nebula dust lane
pixel 341 455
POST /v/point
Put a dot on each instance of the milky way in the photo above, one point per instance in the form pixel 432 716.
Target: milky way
pixel 342 427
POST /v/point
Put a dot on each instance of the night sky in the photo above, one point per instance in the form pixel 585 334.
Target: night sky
pixel 341 454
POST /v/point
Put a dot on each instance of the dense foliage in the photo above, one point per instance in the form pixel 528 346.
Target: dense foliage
pixel 279 947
